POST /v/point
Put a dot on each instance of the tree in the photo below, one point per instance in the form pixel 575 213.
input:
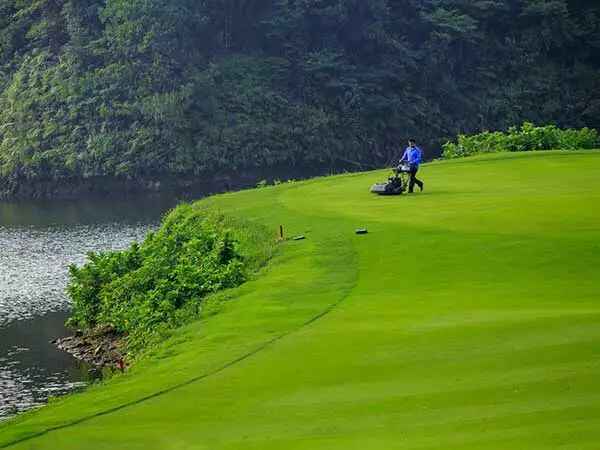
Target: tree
pixel 185 89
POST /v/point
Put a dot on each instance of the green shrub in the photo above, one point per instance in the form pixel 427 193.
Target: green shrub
pixel 526 138
pixel 142 288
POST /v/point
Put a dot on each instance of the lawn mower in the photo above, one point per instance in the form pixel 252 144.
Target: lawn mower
pixel 396 184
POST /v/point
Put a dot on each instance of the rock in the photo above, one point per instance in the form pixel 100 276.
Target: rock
pixel 100 347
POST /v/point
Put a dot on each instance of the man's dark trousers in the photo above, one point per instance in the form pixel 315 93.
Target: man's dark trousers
pixel 414 168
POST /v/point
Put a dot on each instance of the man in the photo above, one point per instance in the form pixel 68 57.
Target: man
pixel 413 156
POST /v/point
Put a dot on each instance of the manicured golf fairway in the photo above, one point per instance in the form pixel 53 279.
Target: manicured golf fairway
pixel 468 318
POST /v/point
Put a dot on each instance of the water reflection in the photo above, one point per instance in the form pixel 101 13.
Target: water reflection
pixel 38 241
pixel 34 263
pixel 43 213
pixel 31 368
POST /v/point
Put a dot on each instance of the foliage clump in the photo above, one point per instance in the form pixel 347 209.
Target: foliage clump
pixel 146 286
pixel 526 138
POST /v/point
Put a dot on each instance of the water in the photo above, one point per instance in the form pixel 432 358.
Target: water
pixel 38 241
pixel 31 368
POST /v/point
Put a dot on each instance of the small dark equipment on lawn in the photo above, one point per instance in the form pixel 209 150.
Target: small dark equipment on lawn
pixel 396 184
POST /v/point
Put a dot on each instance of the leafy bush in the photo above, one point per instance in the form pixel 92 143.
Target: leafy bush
pixel 526 138
pixel 144 287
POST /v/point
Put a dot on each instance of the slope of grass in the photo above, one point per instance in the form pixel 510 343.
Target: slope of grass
pixel 468 318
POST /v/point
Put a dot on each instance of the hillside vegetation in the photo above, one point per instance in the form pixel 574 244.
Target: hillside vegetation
pixel 144 91
pixel 467 318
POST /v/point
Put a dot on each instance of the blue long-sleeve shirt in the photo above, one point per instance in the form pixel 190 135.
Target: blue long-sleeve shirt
pixel 413 155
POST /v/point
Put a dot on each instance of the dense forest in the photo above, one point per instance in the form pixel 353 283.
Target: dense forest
pixel 146 90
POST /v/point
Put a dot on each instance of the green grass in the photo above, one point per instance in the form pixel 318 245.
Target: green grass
pixel 468 318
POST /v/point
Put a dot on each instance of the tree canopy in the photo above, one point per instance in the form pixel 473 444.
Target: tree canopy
pixel 142 89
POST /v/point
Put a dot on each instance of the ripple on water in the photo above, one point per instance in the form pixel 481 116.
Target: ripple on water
pixel 20 391
pixel 33 276
pixel 34 263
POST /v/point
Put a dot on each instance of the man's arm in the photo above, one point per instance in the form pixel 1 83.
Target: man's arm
pixel 405 156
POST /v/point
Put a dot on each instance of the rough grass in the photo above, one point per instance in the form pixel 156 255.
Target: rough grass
pixel 468 318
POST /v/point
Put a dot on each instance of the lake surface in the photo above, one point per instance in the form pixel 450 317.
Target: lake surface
pixel 38 242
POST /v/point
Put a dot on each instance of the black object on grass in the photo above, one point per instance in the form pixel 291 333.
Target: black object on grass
pixel 362 231
pixel 300 238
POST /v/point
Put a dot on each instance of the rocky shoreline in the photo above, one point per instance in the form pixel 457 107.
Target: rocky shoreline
pixel 101 347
